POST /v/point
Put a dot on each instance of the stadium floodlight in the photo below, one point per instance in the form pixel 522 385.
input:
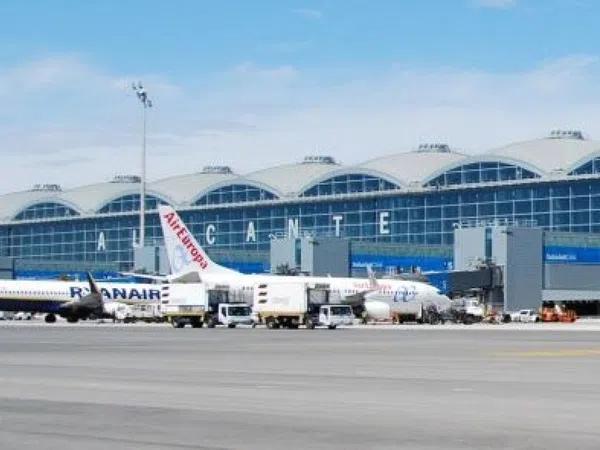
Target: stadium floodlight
pixel 142 95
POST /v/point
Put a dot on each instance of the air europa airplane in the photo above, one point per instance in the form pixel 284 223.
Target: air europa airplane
pixel 65 298
pixel 189 262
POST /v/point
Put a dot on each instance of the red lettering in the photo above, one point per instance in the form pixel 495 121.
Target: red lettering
pixel 184 236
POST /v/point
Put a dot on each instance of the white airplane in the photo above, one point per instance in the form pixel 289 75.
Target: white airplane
pixel 189 262
pixel 73 300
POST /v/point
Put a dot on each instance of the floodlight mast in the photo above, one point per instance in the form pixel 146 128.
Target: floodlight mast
pixel 142 95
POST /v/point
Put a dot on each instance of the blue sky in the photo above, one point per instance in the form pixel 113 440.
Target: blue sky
pixel 233 80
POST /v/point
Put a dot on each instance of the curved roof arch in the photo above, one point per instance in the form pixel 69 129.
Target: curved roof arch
pixel 240 181
pixel 136 193
pixel 549 155
pixel 351 170
pixel 583 161
pixel 45 200
pixel 412 168
pixel 185 189
pixel 482 158
pixel 287 180
pixel 13 203
pixel 91 198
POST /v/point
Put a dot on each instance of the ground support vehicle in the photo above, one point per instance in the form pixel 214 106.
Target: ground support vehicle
pixel 118 312
pixel 291 304
pixel 230 315
pixel 143 313
pixel 525 316
pixel 466 311
pixel 423 314
pixel 558 314
pixel 23 315
pixel 196 305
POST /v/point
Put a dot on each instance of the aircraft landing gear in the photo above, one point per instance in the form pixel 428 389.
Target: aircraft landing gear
pixel 50 318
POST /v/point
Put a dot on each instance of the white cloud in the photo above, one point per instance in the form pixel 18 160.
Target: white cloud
pixel 56 128
pixel 308 13
pixel 499 4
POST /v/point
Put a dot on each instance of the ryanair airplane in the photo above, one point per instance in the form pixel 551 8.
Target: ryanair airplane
pixel 73 300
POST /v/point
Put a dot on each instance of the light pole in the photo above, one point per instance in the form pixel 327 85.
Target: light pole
pixel 142 95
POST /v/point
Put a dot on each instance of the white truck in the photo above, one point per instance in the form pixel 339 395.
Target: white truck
pixel 119 312
pixel 196 305
pixel 289 305
pixel 467 310
pixel 7 315
pixel 23 315
pixel 143 313
pixel 525 316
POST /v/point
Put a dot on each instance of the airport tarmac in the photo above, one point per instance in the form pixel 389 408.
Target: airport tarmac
pixel 153 387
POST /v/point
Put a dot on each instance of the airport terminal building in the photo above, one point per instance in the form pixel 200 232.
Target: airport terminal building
pixel 397 210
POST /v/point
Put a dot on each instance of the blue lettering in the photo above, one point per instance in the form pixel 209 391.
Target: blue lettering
pixel 119 293
pixel 134 294
pixel 401 295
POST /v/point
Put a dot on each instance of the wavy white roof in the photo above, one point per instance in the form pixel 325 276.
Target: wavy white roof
pixel 185 189
pixel 13 203
pixel 548 155
pixel 91 198
pixel 290 179
pixel 408 170
pixel 412 168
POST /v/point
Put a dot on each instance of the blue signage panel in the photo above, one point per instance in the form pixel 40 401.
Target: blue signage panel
pixel 571 255
pixel 380 262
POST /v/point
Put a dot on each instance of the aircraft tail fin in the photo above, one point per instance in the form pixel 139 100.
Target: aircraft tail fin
pixel 93 286
pixel 184 252
pixel 92 301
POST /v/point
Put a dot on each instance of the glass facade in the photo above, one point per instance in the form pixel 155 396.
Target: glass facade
pixel 592 166
pixel 349 184
pixel 482 172
pixel 99 240
pixel 235 193
pixel 129 203
pixel 45 210
pixel 426 217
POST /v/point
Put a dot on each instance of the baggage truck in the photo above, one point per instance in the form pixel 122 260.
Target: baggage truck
pixel 416 312
pixel 196 305
pixel 291 304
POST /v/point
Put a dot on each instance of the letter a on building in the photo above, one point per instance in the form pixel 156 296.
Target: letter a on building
pixel 101 242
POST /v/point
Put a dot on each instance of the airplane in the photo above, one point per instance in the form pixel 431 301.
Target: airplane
pixel 189 262
pixel 73 300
